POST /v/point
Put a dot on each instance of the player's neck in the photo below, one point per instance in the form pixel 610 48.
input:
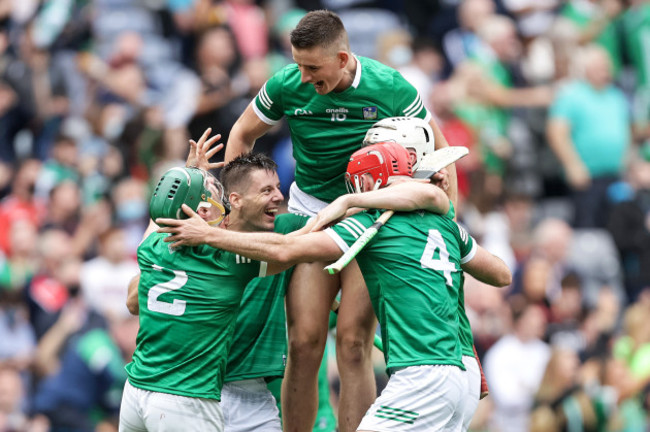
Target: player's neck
pixel 348 76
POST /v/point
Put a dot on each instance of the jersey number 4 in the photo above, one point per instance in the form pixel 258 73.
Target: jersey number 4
pixel 177 307
pixel 435 242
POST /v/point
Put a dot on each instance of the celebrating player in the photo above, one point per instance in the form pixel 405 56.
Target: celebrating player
pixel 415 260
pixel 330 98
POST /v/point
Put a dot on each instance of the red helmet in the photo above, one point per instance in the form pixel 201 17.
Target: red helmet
pixel 382 161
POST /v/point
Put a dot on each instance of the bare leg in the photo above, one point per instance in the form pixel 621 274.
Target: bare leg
pixel 354 337
pixel 309 296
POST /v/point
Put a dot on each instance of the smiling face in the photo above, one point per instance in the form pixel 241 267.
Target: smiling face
pixel 323 68
pixel 258 204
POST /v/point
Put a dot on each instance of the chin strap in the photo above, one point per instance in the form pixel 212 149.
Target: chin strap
pixel 221 208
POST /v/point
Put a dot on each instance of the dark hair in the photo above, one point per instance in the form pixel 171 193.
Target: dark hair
pixel 237 171
pixel 319 28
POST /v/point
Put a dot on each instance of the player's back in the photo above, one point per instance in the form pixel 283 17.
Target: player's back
pixel 188 300
pixel 412 269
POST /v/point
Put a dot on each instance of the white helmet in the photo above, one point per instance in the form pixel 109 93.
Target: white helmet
pixel 410 132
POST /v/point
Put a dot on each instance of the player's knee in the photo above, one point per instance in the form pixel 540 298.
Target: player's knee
pixel 352 349
pixel 305 347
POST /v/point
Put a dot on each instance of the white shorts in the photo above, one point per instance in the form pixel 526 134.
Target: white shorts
pixel 473 379
pixel 249 406
pixel 144 410
pixel 419 398
pixel 302 203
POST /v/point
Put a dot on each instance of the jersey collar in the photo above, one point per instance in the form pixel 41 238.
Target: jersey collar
pixel 357 75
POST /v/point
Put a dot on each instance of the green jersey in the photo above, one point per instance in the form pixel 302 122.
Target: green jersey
pixel 189 299
pixel 465 330
pixel 327 129
pixel 412 270
pixel 259 346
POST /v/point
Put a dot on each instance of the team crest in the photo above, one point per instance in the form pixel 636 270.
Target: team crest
pixel 370 113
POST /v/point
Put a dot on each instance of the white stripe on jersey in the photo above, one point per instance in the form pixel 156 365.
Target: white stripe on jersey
pixel 264 98
pixel 470 255
pixel 353 226
pixel 263 266
pixel 414 108
pixel 263 117
pixel 242 260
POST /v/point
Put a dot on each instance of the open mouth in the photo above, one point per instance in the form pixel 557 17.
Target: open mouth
pixel 319 85
pixel 271 212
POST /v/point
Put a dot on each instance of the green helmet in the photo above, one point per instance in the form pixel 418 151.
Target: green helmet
pixel 176 187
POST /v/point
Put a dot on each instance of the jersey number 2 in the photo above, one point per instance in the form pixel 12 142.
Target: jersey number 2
pixel 177 307
pixel 436 242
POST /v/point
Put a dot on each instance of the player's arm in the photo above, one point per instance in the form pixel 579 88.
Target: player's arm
pixel 279 251
pixel 440 142
pixel 404 196
pixel 246 130
pixel 488 268
pixel 132 296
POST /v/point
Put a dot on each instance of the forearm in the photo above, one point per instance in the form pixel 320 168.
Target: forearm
pixel 132 296
pixel 559 139
pixel 441 142
pixel 243 134
pixel 406 196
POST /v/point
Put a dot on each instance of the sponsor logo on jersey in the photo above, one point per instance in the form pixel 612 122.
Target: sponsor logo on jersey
pixel 338 114
pixel 370 113
pixel 302 112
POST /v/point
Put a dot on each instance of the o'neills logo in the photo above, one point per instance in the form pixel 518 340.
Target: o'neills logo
pixel 338 114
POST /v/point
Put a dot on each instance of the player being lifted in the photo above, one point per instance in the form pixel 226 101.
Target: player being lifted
pixel 330 98
pixel 413 271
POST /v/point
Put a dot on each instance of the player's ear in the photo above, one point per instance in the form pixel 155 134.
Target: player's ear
pixel 235 200
pixel 343 57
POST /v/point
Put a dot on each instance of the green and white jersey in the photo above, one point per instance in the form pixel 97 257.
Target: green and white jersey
pixel 327 129
pixel 412 270
pixel 259 346
pixel 189 299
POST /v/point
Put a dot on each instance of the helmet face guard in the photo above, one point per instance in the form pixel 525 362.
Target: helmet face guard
pixel 410 132
pixel 381 161
pixel 191 186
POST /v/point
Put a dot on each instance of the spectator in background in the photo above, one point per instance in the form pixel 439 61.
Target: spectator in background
pixel 424 68
pixel 629 224
pixel 561 393
pixel 589 131
pixel 463 42
pixel 21 204
pixel 104 278
pixel 12 400
pixel 514 367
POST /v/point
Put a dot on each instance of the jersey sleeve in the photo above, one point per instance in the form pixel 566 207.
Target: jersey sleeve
pixel 467 245
pixel 346 232
pixel 268 102
pixel 408 100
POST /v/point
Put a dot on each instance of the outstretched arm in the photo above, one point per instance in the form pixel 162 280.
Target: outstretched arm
pixel 405 196
pixel 488 268
pixel 278 250
pixel 244 132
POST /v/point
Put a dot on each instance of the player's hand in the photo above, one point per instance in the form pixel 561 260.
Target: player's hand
pixel 201 153
pixel 441 179
pixel 331 214
pixel 184 232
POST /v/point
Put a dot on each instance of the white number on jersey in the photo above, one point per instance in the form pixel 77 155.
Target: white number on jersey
pixel 436 242
pixel 177 307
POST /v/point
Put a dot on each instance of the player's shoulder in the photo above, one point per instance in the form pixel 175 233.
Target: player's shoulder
pixel 289 222
pixel 374 68
pixel 287 74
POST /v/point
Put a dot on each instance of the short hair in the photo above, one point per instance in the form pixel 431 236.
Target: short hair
pixel 237 171
pixel 319 28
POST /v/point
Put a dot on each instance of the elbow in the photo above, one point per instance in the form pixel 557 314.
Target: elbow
pixel 505 279
pixel 133 307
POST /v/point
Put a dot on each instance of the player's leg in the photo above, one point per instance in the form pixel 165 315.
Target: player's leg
pixel 473 378
pixel 130 418
pixel 249 406
pixel 355 332
pixel 168 412
pixel 419 399
pixel 309 296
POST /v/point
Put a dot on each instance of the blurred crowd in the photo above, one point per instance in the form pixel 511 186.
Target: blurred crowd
pixel 552 97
